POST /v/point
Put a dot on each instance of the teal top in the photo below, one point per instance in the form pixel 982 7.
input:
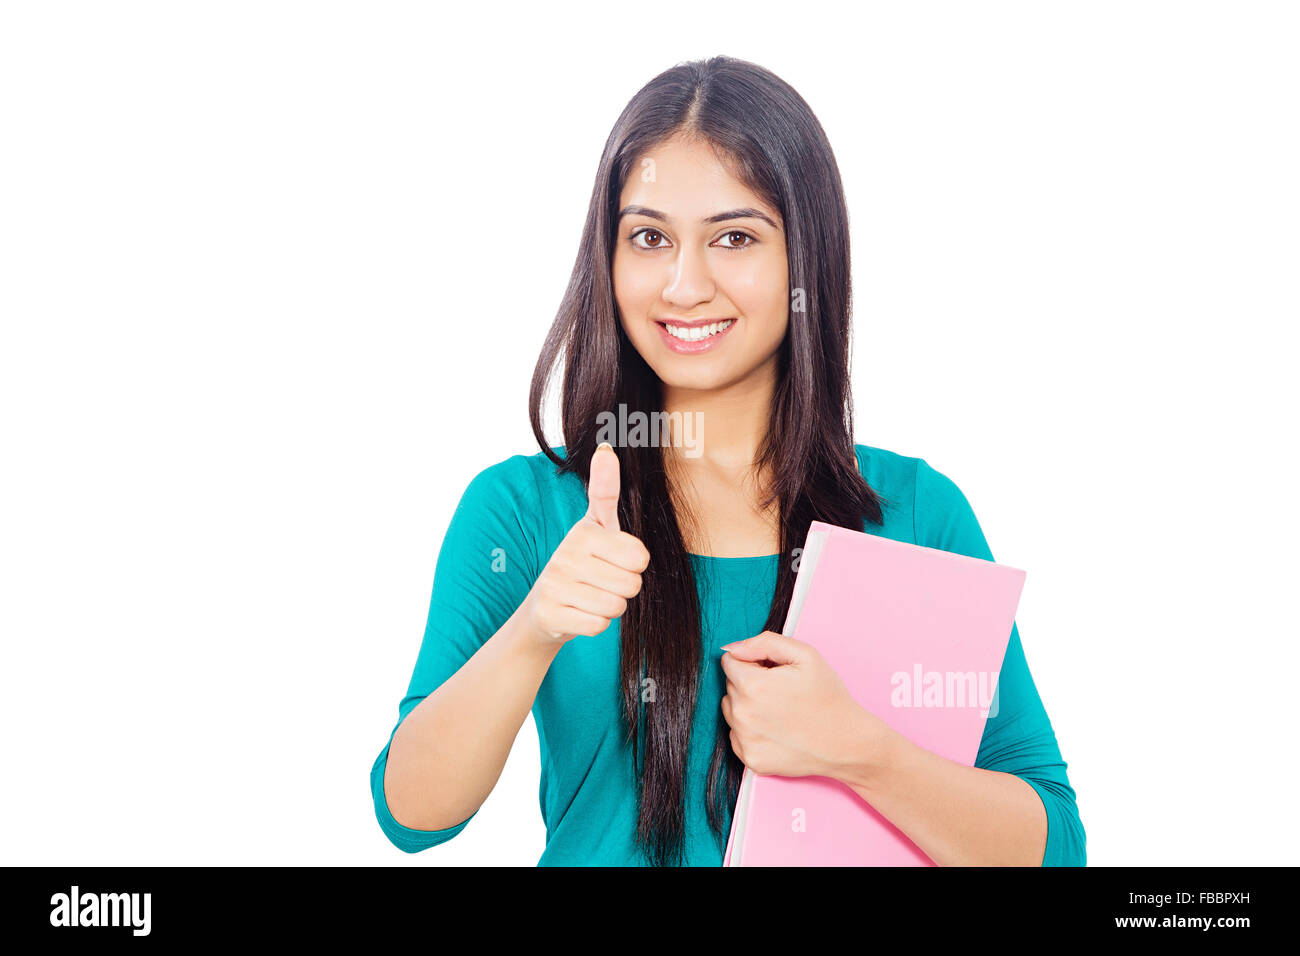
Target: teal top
pixel 509 521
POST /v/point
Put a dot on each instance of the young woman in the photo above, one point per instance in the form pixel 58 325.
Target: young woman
pixel 599 587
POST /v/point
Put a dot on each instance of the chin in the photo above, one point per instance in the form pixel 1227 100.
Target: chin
pixel 697 378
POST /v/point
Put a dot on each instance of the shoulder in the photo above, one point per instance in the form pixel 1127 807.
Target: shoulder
pixel 940 514
pixel 510 479
pixel 889 473
pixel 511 504
pixel 532 490
pixel 527 480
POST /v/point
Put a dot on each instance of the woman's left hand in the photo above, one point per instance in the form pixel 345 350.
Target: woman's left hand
pixel 795 719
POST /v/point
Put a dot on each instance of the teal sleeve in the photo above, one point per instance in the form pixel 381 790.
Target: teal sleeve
pixel 485 568
pixel 1018 738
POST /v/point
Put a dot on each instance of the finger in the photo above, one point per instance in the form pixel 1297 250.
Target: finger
pixel 731 666
pixel 769 646
pixel 739 673
pixel 603 487
pixel 735 745
pixel 600 573
pixel 592 600
pixel 620 549
pixel 570 620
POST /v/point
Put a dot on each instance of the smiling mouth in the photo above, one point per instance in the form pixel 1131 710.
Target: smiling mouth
pixel 696 333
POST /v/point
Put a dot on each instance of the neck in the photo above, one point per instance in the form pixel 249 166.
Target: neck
pixel 730 422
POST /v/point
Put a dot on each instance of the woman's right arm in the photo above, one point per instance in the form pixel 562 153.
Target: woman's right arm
pixel 447 754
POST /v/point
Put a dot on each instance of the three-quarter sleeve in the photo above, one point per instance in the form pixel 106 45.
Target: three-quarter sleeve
pixel 486 565
pixel 1018 736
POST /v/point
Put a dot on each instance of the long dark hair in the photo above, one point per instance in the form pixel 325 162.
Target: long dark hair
pixel 778 149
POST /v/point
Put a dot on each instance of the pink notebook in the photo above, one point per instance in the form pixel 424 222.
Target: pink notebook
pixel 918 636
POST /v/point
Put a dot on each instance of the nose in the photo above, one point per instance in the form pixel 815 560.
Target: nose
pixel 690 281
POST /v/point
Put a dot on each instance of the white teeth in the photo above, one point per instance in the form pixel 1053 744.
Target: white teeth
pixel 698 332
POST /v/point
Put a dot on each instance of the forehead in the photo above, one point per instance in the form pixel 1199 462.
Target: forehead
pixel 687 180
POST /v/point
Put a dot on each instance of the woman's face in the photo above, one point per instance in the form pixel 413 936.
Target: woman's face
pixel 694 246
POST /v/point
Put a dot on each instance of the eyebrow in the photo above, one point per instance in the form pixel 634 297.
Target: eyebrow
pixel 745 213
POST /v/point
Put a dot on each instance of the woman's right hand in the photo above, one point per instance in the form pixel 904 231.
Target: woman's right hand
pixel 596 568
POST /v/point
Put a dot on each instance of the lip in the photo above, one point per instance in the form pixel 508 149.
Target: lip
pixel 694 348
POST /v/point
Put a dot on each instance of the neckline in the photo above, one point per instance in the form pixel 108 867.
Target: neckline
pixel 754 557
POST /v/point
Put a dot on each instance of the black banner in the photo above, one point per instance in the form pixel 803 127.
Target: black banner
pixel 317 903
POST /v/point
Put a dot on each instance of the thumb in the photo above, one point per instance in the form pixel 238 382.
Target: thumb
pixel 603 487
pixel 768 646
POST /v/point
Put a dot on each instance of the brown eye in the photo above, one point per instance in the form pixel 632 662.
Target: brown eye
pixel 738 240
pixel 654 239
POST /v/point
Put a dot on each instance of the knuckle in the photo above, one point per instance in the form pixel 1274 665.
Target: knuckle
pixel 560 566
pixel 585 539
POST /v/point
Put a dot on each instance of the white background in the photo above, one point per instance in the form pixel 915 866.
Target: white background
pixel 274 277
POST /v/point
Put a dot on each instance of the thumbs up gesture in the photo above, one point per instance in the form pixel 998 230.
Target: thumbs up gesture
pixel 596 568
pixel 603 488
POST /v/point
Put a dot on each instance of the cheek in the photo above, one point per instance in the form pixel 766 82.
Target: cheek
pixel 635 289
pixel 760 289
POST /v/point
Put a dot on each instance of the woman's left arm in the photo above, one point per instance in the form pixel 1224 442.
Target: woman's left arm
pixel 956 815
pixel 1014 806
pixel 1018 736
pixel 992 814
pixel 798 719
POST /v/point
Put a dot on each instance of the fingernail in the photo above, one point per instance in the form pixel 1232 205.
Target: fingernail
pixel 604 444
